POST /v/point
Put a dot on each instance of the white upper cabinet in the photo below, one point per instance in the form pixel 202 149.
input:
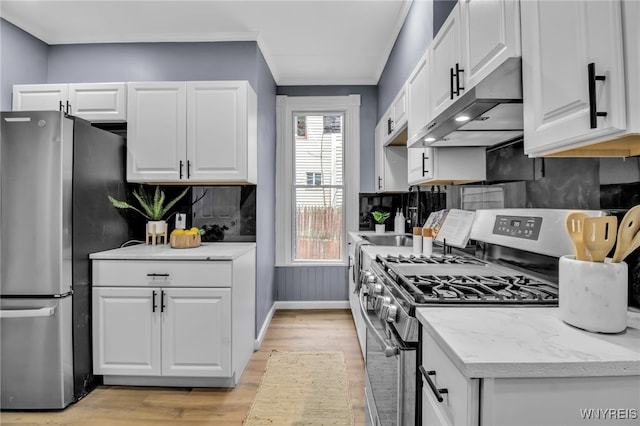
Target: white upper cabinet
pixel 418 106
pixel 446 166
pixel 395 118
pixel 157 132
pixel 96 102
pixel 490 33
pixel 390 164
pixel 221 131
pixel 447 74
pixel 192 132
pixel 476 38
pixel 574 73
pixel 40 97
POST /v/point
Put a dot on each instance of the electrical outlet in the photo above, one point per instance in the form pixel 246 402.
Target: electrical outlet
pixel 181 220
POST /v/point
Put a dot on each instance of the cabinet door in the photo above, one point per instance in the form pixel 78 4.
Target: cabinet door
pixel 156 132
pixel 99 102
pixel 559 40
pixel 490 35
pixel 399 111
pixel 40 97
pixel 445 55
pixel 418 107
pixel 220 131
pixel 419 165
pixel 196 332
pixel 126 331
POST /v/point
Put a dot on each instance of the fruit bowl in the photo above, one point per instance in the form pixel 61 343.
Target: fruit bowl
pixel 185 239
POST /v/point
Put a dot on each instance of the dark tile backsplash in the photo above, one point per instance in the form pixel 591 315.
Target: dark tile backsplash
pixel 226 213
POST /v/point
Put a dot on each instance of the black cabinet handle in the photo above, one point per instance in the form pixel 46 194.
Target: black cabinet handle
pixel 61 106
pixel 153 303
pixel 379 182
pixel 157 275
pixel 68 108
pixel 389 126
pixel 451 76
pixel 458 71
pixel 424 160
pixel 162 305
pixel 593 111
pixel 181 165
pixel 437 392
pixel 188 169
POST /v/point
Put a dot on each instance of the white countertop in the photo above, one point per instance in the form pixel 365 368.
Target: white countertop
pixel 529 342
pixel 207 251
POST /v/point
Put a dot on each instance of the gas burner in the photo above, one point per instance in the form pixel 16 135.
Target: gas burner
pixel 478 289
pixel 448 259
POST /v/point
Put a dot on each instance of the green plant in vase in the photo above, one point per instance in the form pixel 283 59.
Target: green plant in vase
pixel 380 218
pixel 153 206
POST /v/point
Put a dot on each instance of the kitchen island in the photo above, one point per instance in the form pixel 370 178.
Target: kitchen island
pixel 173 317
pixel 525 366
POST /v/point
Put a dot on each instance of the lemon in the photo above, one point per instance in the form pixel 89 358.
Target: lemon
pixel 178 232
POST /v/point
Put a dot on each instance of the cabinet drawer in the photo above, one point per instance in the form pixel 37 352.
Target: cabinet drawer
pixel 153 273
pixel 460 405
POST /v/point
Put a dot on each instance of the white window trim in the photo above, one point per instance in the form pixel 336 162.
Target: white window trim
pixel 285 107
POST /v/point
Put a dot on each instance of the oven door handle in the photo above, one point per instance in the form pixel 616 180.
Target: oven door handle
pixel 389 350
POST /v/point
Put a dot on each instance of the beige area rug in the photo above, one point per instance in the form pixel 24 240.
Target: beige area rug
pixel 303 388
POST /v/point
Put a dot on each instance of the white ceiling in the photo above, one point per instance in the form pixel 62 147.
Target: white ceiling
pixel 305 42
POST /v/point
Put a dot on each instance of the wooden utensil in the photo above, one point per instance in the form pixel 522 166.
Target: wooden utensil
pixel 600 236
pixel 575 228
pixel 628 229
pixel 635 243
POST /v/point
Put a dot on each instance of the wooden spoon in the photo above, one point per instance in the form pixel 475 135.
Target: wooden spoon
pixel 575 228
pixel 600 236
pixel 635 243
pixel 628 229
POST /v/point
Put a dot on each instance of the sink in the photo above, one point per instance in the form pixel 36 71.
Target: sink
pixel 389 240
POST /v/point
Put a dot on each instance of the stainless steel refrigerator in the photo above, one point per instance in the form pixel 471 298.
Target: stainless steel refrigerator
pixel 55 174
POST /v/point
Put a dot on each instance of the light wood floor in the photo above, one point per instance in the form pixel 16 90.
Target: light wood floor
pixel 290 330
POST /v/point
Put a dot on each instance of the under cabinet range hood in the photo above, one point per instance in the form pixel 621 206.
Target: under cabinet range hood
pixel 494 109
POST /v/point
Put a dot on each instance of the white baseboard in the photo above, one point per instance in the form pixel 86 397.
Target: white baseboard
pixel 265 326
pixel 338 304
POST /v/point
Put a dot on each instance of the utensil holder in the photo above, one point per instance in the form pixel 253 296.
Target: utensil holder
pixel 593 295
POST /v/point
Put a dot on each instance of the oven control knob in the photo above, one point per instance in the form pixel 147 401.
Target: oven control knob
pixel 375 289
pixel 392 312
pixel 381 302
pixel 369 277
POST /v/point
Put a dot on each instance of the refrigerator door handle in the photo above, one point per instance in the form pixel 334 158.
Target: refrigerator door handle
pixel 27 313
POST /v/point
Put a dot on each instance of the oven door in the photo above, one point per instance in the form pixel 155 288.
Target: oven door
pixel 390 372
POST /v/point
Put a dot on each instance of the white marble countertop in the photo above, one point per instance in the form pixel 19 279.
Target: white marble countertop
pixel 207 251
pixel 529 342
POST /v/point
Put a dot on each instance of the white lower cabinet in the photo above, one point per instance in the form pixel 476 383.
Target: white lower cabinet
pixel 152 331
pixel 520 401
pixel 162 331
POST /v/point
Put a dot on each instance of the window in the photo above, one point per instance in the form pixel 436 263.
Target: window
pixel 316 195
pixel 314 178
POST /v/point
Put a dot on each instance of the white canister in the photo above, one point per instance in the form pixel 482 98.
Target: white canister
pixel 427 242
pixel 593 295
pixel 417 240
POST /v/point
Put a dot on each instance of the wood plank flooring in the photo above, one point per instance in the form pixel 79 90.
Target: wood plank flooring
pixel 290 330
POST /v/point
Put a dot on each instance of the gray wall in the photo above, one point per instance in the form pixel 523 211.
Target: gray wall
pixel 328 283
pixel 414 38
pixel 23 60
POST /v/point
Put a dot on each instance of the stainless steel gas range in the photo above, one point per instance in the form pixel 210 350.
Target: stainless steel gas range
pixel 514 264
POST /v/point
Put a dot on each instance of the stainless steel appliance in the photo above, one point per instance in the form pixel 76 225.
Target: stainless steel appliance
pixel 513 263
pixel 55 175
